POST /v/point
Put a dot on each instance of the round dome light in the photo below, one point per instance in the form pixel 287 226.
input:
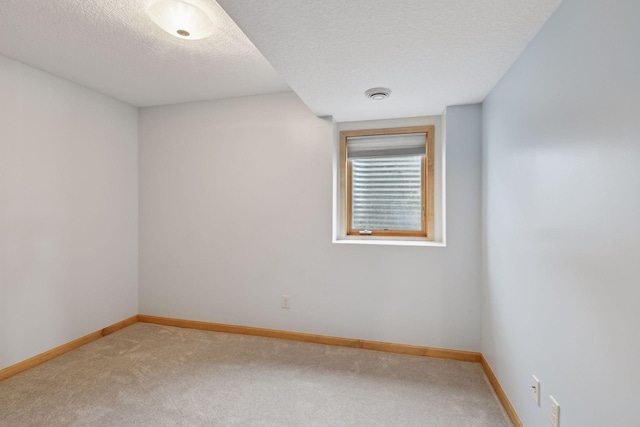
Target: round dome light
pixel 181 18
pixel 378 93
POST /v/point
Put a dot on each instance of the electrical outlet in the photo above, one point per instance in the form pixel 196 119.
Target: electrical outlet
pixel 554 415
pixel 285 301
pixel 535 389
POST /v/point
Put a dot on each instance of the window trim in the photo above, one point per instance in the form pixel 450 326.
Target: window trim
pixel 428 182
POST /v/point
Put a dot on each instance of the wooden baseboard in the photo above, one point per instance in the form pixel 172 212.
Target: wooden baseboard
pixel 64 348
pixel 466 356
pixel 502 396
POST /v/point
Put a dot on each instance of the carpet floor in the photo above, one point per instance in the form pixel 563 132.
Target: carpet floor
pixel 149 375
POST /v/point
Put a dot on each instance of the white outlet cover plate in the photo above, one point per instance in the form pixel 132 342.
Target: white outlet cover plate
pixel 554 413
pixel 535 389
pixel 285 301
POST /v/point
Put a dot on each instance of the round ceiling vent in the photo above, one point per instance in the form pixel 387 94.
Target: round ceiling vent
pixel 378 93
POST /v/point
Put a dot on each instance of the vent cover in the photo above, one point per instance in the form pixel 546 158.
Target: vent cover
pixel 378 93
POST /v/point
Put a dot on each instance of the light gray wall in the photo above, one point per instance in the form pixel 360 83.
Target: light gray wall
pixel 68 211
pixel 561 218
pixel 463 170
pixel 236 210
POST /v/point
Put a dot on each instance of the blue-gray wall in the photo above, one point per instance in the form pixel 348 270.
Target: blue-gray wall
pixel 561 202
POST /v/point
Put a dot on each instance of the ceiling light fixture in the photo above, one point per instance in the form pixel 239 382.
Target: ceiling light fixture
pixel 378 93
pixel 186 19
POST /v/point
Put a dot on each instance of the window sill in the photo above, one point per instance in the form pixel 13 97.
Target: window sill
pixel 388 241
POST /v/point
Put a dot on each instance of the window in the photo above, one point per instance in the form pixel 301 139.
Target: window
pixel 388 182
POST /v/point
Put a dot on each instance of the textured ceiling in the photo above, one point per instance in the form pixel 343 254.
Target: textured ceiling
pixel 431 53
pixel 112 46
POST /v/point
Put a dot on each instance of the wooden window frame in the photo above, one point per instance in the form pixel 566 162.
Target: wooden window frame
pixel 428 185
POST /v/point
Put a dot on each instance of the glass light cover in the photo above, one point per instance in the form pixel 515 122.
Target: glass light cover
pixel 181 18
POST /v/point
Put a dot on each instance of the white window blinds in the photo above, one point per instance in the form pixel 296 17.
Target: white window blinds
pixel 386 182
pixel 410 144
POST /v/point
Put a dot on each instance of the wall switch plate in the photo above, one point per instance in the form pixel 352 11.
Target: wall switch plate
pixel 285 301
pixel 554 415
pixel 535 389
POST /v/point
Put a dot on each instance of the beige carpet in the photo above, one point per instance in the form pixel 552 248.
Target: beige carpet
pixel 148 375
